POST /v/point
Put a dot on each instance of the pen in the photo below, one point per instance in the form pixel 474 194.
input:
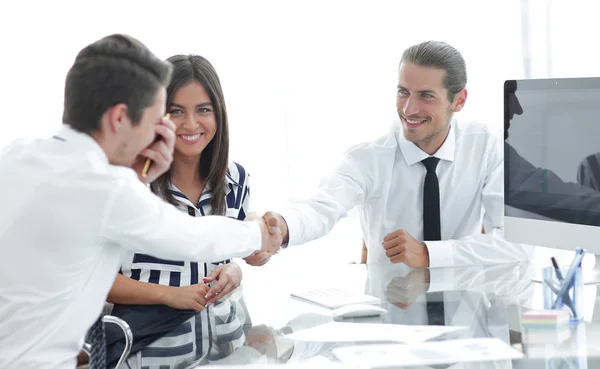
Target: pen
pixel 567 299
pixel 149 161
pixel 576 263
pixel 556 269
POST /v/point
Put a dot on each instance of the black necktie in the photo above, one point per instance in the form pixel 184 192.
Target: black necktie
pixel 96 337
pixel 431 202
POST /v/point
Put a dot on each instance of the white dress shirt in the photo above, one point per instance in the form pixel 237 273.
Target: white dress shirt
pixel 384 179
pixel 66 215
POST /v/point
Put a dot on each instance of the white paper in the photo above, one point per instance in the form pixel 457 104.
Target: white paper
pixel 312 365
pixel 364 332
pixel 428 353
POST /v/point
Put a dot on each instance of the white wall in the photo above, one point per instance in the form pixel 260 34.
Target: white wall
pixel 303 80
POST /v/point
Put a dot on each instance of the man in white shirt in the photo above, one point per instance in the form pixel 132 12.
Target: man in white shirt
pixel 385 179
pixel 70 203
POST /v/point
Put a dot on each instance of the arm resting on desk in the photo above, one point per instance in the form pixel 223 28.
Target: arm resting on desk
pixel 488 248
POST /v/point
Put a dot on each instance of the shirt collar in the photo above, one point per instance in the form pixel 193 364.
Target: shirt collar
pixel 229 179
pixel 176 192
pixel 83 140
pixel 413 154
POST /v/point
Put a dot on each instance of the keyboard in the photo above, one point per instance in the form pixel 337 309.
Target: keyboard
pixel 333 298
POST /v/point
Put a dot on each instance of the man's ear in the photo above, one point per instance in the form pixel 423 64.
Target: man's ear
pixel 117 117
pixel 459 100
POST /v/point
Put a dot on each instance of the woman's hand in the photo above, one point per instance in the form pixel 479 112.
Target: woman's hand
pixel 188 297
pixel 228 277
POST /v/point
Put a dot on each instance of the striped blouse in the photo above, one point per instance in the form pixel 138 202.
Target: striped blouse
pixel 218 329
pixel 146 268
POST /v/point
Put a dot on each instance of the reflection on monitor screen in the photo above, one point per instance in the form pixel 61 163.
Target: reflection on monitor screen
pixel 552 162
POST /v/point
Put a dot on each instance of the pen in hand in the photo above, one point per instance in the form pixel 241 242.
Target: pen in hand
pixel 149 161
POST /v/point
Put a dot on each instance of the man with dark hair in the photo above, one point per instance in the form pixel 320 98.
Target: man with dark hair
pixel 425 189
pixel 71 202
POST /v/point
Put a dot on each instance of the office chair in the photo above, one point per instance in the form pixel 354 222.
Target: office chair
pixel 95 349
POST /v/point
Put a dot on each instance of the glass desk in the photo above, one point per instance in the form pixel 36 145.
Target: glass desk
pixel 252 325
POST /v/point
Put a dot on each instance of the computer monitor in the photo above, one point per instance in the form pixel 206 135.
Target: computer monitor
pixel 552 162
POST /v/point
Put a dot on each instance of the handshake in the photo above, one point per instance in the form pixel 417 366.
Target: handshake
pixel 274 232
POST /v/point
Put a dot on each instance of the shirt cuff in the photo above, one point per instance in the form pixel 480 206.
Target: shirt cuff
pixel 294 226
pixel 440 254
pixel 441 279
pixel 255 238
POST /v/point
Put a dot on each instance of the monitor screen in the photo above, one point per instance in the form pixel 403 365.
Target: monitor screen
pixel 552 161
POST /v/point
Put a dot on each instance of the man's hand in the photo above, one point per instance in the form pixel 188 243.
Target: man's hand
pixel 160 152
pixel 276 220
pixel 271 235
pixel 228 277
pixel 188 297
pixel 262 338
pixel 401 247
pixel 402 291
pixel 258 258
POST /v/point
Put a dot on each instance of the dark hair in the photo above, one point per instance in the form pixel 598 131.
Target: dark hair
pixel 443 56
pixel 116 69
pixel 215 157
pixel 510 88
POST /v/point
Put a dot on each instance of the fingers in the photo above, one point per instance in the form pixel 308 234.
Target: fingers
pixel 399 258
pixel 395 250
pixel 168 123
pixel 272 220
pixel 167 131
pixel 271 242
pixel 275 220
pixel 391 244
pixel 395 234
pixel 158 152
pixel 214 275
pixel 262 261
pixel 258 258
pixel 219 290
pixel 197 306
pixel 161 157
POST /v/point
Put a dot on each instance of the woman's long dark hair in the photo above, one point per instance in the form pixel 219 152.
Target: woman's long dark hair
pixel 215 157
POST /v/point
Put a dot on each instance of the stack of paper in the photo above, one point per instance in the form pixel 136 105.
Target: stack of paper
pixel 546 336
pixel 545 319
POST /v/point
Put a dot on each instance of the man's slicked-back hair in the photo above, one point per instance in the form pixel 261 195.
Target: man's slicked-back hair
pixel 116 69
pixel 440 55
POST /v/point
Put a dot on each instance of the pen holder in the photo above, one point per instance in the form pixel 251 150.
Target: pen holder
pixel 574 293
